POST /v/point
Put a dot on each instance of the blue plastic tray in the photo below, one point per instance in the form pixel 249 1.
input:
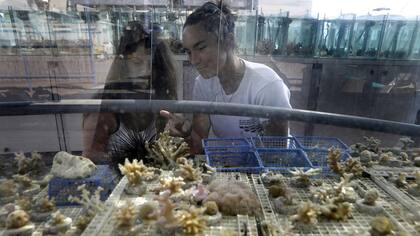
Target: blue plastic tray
pixel 319 158
pixel 274 142
pixel 320 143
pixel 226 145
pixel 60 189
pixel 283 160
pixel 235 161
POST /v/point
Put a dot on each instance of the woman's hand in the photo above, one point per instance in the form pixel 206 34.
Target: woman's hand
pixel 177 125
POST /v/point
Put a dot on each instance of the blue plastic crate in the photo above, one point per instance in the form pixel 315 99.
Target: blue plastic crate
pixel 60 189
pixel 234 161
pixel 319 158
pixel 274 142
pixel 283 160
pixel 320 143
pixel 226 145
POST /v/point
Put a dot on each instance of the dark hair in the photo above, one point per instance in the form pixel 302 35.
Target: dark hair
pixel 163 74
pixel 163 79
pixel 212 15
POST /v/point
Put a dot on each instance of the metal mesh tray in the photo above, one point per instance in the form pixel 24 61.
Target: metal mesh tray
pixel 69 211
pixel 359 223
pixel 103 223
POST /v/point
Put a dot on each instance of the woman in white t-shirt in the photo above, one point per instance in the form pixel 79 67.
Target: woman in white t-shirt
pixel 208 38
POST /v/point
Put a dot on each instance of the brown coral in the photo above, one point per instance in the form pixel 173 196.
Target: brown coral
pixel 126 216
pixel 351 166
pixel 33 165
pixel 8 188
pixel 192 221
pixel 211 208
pixel 381 225
pixel 135 171
pixel 188 172
pixel 166 150
pixel 165 215
pixel 17 219
pixel 45 205
pixel 172 184
pixel 307 213
pixel 334 155
pixel 339 211
pixel 234 197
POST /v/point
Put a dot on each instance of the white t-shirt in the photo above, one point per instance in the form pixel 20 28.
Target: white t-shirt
pixel 259 86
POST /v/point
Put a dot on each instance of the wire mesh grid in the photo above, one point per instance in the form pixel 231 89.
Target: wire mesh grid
pixel 69 211
pixel 103 224
pixel 319 158
pixel 359 223
pixel 323 143
pixel 283 160
pixel 274 142
pixel 234 161
pixel 412 203
pixel 380 170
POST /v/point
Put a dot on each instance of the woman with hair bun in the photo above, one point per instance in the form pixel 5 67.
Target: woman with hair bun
pixel 209 40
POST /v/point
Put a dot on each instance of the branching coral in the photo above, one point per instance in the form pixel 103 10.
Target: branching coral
pixel 126 216
pixel 234 197
pixel 172 184
pixel 91 204
pixel 274 229
pixel 23 181
pixel 303 178
pixel 339 193
pixel 32 165
pixel 372 143
pixel 166 150
pixel 136 171
pixel 307 213
pixel 336 211
pixel 187 170
pixel 165 214
pixel 351 166
pixel 406 142
pixel 334 155
pixel 192 221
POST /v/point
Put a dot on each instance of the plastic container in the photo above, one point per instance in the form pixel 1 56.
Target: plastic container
pixel 283 160
pixel 246 161
pixel 319 158
pixel 320 143
pixel 60 189
pixel 226 145
pixel 274 142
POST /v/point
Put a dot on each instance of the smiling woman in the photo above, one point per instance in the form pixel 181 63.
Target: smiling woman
pixel 209 40
pixel 143 70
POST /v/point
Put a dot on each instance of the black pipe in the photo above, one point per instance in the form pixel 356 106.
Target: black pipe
pixel 91 105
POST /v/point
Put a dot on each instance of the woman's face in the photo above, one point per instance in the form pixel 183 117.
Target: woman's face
pixel 202 49
pixel 138 64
